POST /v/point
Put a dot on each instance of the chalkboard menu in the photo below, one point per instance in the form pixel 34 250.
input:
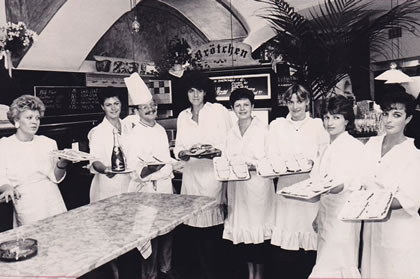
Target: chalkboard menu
pixel 74 100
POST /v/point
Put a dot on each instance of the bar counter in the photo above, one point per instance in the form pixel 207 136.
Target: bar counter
pixel 80 240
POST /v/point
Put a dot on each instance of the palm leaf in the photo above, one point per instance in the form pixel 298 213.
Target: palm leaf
pixel 324 47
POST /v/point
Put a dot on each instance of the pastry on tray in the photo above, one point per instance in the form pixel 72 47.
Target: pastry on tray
pixel 222 168
pixel 240 170
pixel 204 151
pixel 72 155
pixel 226 171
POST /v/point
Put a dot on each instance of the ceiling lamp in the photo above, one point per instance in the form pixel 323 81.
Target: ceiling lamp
pixel 135 26
pixel 393 75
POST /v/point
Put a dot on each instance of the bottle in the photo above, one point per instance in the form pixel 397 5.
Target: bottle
pixel 117 157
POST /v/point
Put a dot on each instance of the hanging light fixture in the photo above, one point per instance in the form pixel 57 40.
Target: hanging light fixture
pixel 393 75
pixel 135 25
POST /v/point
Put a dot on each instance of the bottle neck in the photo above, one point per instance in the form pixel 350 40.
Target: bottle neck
pixel 116 142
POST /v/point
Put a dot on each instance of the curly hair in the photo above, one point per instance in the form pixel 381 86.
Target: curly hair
pixel 23 103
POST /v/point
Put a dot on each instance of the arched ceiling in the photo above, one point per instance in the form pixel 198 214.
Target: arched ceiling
pixel 73 27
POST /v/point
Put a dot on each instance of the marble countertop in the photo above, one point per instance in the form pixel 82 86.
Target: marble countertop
pixel 76 242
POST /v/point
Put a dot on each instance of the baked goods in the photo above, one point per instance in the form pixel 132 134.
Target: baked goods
pixel 72 155
pixel 309 188
pixel 240 170
pixel 275 166
pixel 222 168
pixel 226 171
pixel 203 151
pixel 367 205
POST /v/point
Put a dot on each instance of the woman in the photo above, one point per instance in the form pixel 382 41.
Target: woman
pixel 250 203
pixel 342 161
pixel 391 247
pixel 203 123
pixel 101 141
pixel 29 173
pixel 297 135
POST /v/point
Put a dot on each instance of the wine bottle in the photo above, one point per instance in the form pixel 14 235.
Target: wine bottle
pixel 117 157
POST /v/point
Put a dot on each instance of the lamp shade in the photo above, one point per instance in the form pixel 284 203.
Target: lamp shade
pixel 393 75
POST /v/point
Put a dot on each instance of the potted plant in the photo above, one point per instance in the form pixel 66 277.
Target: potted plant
pixel 323 47
pixel 177 58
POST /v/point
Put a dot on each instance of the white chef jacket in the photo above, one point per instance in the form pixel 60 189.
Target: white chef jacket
pixel 391 247
pixel 293 226
pixel 29 167
pixel 198 175
pixel 101 142
pixel 338 241
pixel 250 203
pixel 149 143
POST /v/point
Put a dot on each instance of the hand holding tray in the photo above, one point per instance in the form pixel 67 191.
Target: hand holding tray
pixel 367 205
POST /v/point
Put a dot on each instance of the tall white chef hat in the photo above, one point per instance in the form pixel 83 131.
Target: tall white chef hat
pixel 137 90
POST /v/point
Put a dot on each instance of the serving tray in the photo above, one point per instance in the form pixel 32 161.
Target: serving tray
pixel 367 205
pixel 226 172
pixel 72 155
pixel 267 170
pixel 308 188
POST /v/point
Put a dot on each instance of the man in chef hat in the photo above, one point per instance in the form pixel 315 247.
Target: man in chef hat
pixel 148 155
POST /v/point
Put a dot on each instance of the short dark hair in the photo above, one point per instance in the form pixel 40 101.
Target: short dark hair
pixel 390 100
pixel 302 93
pixel 340 105
pixel 108 92
pixel 199 81
pixel 241 93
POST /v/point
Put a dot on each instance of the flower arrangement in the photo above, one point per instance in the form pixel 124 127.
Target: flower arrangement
pixel 15 37
pixel 179 52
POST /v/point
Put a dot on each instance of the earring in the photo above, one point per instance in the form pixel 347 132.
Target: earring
pixel 17 125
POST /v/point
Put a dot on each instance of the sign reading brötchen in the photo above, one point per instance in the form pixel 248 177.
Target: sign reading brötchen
pixel 224 53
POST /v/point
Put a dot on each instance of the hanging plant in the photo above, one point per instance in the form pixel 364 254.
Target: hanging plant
pixel 15 37
pixel 14 40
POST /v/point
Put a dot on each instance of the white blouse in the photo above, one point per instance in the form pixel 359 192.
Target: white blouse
pixel 307 137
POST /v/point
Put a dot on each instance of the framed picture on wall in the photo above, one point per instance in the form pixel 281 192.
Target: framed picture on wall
pixel 260 84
